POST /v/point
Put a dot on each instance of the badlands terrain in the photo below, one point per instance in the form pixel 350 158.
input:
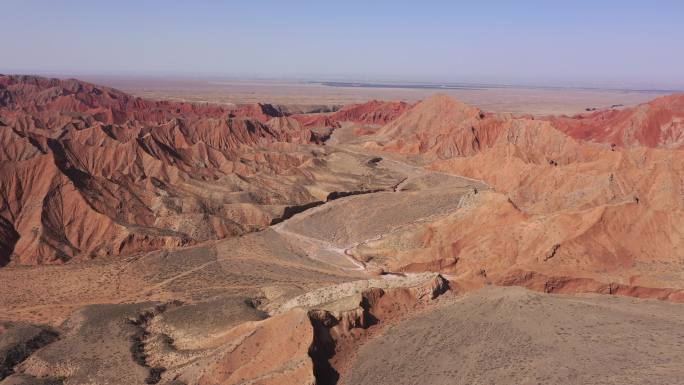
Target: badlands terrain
pixel 169 242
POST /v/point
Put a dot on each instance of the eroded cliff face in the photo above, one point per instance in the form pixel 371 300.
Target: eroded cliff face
pixel 568 199
pixel 444 127
pixel 89 171
pixel 311 343
pixel 657 124
pixel 314 342
pixel 374 112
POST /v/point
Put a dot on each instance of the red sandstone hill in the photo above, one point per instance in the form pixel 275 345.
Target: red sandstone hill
pixel 444 127
pixel 659 123
pixel 48 97
pixel 440 126
pixel 90 171
pixel 563 205
pixel 373 112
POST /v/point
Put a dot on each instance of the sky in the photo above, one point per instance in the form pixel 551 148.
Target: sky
pixel 585 43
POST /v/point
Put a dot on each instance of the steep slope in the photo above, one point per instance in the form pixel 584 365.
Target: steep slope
pixel 439 126
pixel 374 112
pixel 562 207
pixel 88 171
pixel 659 123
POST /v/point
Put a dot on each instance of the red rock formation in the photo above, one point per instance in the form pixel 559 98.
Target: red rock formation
pixel 561 206
pixel 274 351
pixel 260 111
pixel 373 112
pixel 90 171
pixel 446 128
pixel 304 345
pixel 571 285
pixel 440 126
pixel 659 123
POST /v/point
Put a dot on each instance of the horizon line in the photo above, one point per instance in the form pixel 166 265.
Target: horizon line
pixel 351 81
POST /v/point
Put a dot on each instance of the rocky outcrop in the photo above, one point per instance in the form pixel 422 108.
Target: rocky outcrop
pixel 140 338
pixel 422 286
pixel 303 341
pixel 341 194
pixel 291 211
pixel 574 285
pixel 370 113
pixel 260 111
pixel 659 123
pixel 18 341
pixel 94 346
pixel 339 328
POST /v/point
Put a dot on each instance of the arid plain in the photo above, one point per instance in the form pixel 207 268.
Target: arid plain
pixel 309 234
pixel 533 100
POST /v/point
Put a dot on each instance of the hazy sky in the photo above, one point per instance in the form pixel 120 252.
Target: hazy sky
pixel 553 42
